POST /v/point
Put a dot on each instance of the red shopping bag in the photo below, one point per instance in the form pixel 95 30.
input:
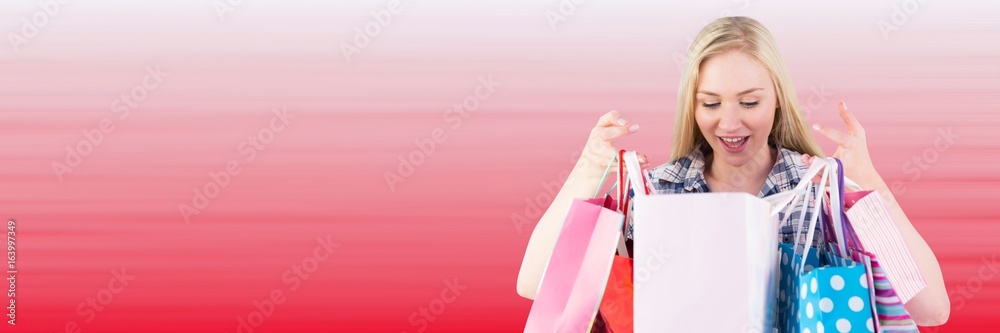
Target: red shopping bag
pixel 616 306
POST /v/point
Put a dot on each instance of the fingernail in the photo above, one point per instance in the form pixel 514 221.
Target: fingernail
pixel 633 128
pixel 622 121
pixel 845 104
pixel 816 127
pixel 642 159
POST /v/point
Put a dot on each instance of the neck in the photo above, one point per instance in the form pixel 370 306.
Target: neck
pixel 748 177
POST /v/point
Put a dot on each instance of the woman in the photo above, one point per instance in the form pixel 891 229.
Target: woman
pixel 739 128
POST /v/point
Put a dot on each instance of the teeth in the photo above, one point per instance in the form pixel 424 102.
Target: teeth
pixel 732 140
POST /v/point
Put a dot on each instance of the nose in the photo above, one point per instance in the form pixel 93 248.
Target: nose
pixel 731 120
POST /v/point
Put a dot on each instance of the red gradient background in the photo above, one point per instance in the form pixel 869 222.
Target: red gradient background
pixel 323 175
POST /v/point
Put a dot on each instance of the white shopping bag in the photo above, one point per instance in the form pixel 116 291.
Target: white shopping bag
pixel 706 262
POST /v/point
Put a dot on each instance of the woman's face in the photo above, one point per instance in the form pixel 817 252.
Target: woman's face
pixel 734 106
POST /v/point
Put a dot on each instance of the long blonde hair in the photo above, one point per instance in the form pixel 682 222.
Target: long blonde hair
pixel 747 35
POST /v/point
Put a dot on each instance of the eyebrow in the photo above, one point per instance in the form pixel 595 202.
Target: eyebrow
pixel 739 94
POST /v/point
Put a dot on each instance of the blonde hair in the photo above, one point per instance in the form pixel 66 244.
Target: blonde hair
pixel 749 36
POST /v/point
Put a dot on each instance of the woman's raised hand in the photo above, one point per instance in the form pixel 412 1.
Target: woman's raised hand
pixel 600 147
pixel 852 149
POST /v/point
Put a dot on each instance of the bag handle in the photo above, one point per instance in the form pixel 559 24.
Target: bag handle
pixel 630 173
pixel 805 185
pixel 837 214
pixel 782 201
pixel 621 178
pixel 786 198
pixel 839 234
pixel 635 173
pixel 623 183
pixel 622 248
pixel 605 177
pixel 818 199
pixel 623 201
pixel 849 239
pixel 832 174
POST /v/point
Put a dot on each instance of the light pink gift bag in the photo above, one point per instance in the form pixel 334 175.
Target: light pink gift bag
pixel 574 280
pixel 876 230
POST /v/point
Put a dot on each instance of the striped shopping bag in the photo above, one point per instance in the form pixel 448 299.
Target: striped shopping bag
pixel 892 316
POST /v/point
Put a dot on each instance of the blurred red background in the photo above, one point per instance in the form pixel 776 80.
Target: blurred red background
pixel 297 226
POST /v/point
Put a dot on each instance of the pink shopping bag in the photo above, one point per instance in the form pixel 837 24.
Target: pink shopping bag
pixel 574 280
pixel 876 230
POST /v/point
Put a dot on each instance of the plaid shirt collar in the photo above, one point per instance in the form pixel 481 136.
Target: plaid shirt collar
pixel 689 170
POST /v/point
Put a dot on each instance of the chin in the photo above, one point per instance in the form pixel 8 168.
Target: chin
pixel 742 158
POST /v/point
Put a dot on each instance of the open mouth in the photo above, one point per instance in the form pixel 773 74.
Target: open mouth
pixel 734 144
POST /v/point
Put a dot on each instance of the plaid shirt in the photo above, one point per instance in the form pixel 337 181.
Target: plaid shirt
pixel 686 175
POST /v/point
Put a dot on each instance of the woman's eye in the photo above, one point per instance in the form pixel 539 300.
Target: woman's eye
pixel 750 104
pixel 710 105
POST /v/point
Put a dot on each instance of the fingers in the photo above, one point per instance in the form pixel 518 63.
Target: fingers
pixel 834 135
pixel 807 159
pixel 853 126
pixel 611 133
pixel 643 161
pixel 610 127
pixel 613 126
pixel 612 118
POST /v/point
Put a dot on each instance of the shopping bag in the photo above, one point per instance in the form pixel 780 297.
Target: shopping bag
pixel 871 218
pixel 616 306
pixel 616 311
pixel 573 281
pixel 705 262
pixel 794 258
pixel 878 234
pixel 892 316
pixel 787 316
pixel 700 255
pixel 833 293
pixel 835 297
